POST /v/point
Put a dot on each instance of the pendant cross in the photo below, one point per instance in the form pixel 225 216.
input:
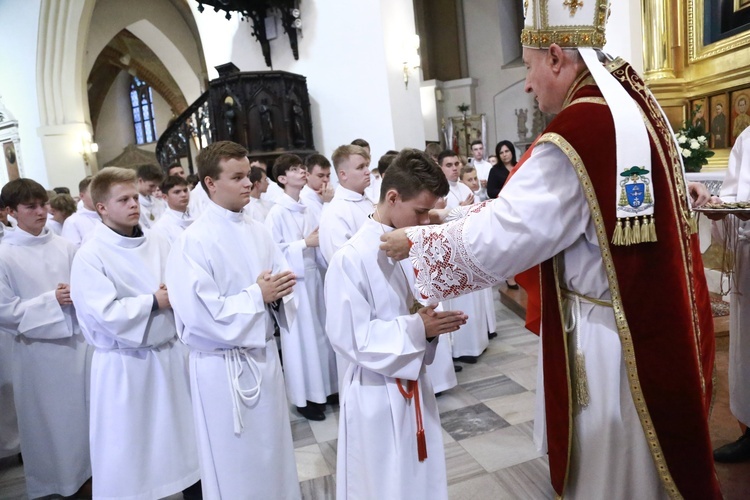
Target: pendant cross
pixel 573 6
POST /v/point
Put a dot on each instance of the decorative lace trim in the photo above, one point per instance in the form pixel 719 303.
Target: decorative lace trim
pixel 445 266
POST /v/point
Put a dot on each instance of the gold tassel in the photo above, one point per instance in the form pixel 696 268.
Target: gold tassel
pixel 636 231
pixel 644 230
pixel 628 232
pixel 693 222
pixel 617 237
pixel 582 386
pixel 652 229
pixel 623 198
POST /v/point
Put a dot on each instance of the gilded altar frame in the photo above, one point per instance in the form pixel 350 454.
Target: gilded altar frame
pixel 681 70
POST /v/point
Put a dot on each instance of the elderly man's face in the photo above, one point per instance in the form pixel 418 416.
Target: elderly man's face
pixel 540 80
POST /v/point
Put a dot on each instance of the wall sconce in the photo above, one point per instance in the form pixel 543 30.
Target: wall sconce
pixel 411 57
pixel 85 147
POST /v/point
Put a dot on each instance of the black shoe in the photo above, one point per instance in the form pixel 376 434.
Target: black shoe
pixel 311 413
pixel 193 492
pixel 321 407
pixel 491 335
pixel 333 399
pixel 457 368
pixel 514 286
pixel 731 453
pixel 467 359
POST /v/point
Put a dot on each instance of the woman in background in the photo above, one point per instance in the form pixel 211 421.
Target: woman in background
pixel 506 153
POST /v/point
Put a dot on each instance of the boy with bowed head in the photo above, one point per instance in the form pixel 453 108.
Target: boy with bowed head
pixel 177 217
pixel 390 440
pixel 227 279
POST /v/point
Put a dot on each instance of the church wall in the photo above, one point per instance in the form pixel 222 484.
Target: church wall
pixel 354 75
pixel 160 26
pixel 114 129
pixel 499 90
pixel 18 37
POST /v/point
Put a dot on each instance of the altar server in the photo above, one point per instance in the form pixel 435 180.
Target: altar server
pixel 226 278
pixel 258 208
pixel 149 178
pixel 177 217
pixel 318 190
pixel 50 361
pixel 142 443
pixel 349 208
pixel 78 226
pixel 309 362
pixel 471 340
pixel 390 441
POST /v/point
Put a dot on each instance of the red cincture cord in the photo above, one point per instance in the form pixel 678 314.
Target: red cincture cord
pixel 413 393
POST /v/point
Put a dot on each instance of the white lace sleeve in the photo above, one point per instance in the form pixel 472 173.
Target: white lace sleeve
pixel 444 265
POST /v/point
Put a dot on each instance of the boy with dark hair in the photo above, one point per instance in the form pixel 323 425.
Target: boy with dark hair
pixel 226 279
pixel 362 144
pixel 142 433
pixel 78 226
pixel 318 190
pixel 176 170
pixel 473 338
pixel 309 362
pixel 176 218
pixel 149 178
pixel 390 440
pixel 258 208
pixel 384 162
pixel 50 357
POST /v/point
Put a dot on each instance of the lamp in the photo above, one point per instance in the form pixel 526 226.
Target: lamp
pixel 411 57
pixel 85 147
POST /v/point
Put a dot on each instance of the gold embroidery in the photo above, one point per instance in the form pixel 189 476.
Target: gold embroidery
pixel 572 5
pixel 556 272
pixel 623 328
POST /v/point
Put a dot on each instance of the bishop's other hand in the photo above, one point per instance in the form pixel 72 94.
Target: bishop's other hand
pixel 395 244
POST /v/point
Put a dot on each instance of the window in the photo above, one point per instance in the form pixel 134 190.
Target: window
pixel 143 111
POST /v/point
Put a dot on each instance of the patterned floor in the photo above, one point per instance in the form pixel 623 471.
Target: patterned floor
pixel 487 427
pixel 487 421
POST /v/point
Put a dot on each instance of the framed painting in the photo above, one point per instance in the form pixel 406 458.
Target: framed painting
pixel 716 27
pixel 740 118
pixel 698 116
pixel 718 121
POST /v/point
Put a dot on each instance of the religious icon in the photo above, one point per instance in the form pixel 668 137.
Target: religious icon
pixel 718 121
pixel 740 118
pixel 698 114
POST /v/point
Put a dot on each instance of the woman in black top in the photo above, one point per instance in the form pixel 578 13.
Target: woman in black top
pixel 506 155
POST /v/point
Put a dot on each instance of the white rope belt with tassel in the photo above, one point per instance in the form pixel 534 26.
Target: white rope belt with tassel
pixel 571 328
pixel 233 361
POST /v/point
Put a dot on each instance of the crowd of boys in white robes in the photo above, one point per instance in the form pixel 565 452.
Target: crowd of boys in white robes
pixel 207 343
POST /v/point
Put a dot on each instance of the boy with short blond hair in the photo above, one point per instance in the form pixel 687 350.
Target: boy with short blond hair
pixel 142 433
